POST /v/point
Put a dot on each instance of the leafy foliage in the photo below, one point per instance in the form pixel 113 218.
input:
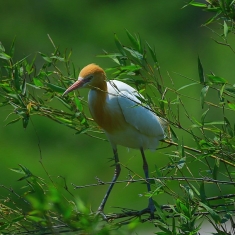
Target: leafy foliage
pixel 47 208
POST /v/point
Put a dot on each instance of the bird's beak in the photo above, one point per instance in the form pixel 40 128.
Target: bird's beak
pixel 79 83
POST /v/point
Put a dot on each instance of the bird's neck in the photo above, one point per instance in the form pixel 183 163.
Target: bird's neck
pixel 101 87
pixel 100 84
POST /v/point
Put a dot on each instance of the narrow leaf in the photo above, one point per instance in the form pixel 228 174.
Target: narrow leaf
pixel 204 116
pixel 4 56
pixel 153 54
pixel 215 169
pixel 212 213
pixel 202 192
pixel 203 95
pixel 16 79
pixel 216 79
pixel 13 121
pixel 12 49
pixel 78 103
pixel 37 82
pixel 55 88
pixel 226 29
pixel 200 71
pixel 45 57
pixel 198 4
pixel 228 127
pixel 119 45
pixel 231 105
pixel 133 40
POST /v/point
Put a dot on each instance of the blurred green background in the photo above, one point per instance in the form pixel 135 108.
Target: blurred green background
pixel 87 27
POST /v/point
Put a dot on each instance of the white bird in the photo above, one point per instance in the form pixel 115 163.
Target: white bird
pixel 116 107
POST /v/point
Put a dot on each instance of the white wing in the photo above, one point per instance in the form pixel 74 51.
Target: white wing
pixel 138 116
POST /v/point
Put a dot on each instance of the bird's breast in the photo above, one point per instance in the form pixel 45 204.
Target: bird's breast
pixel 106 111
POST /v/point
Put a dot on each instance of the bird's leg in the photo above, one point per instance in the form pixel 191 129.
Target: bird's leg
pixel 115 177
pixel 146 172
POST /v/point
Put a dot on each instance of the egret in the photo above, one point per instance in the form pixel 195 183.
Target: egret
pixel 116 107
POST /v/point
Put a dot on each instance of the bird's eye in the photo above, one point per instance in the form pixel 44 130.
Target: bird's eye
pixel 89 78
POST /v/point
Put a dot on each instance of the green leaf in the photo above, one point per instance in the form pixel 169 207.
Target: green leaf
pixel 17 219
pixel 202 192
pixel 230 89
pixel 212 18
pixel 18 170
pixel 216 79
pixel 181 162
pixel 221 93
pixel 204 116
pixel 63 102
pixel 215 169
pixel 45 57
pixel 226 29
pixel 212 213
pixel 181 207
pixel 35 218
pixel 226 217
pixel 13 121
pixel 58 58
pixel 133 40
pixel 4 56
pixel 55 88
pixel 16 79
pixel 198 4
pixel 186 86
pixel 25 121
pixel 119 45
pixel 231 105
pixel 153 54
pixel 24 87
pixel 78 103
pixel 37 82
pixel 228 127
pixel 134 53
pixel 12 49
pixel 131 68
pixel 64 120
pixel 2 49
pixel 203 95
pixel 200 71
pixel 174 136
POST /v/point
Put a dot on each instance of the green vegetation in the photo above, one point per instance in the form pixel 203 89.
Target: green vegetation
pixel 196 180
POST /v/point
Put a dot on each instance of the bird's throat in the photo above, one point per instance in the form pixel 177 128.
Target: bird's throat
pixel 109 120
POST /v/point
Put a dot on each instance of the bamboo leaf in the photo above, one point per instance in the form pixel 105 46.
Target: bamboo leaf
pixel 212 213
pixel 78 103
pixel 226 29
pixel 133 40
pixel 153 54
pixel 202 192
pixel 216 79
pixel 204 116
pixel 186 86
pixel 13 121
pixel 119 45
pixel 4 56
pixel 200 71
pixel 231 105
pixel 16 78
pixel 55 88
pixel 37 82
pixel 215 169
pixel 203 95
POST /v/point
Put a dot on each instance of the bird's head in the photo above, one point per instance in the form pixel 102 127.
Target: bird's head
pixel 91 76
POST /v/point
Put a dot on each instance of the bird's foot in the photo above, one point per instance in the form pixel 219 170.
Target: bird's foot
pixel 101 214
pixel 150 209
